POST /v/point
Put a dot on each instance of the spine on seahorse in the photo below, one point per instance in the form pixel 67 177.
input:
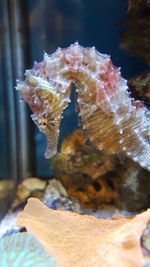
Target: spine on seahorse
pixel 113 121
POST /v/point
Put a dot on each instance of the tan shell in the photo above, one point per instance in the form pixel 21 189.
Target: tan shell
pixel 84 241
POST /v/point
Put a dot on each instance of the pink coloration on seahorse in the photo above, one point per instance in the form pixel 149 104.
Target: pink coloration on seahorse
pixel 112 120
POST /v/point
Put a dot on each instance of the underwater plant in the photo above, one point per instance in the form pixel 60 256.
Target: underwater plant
pixel 113 121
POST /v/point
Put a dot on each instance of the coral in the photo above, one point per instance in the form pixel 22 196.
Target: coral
pixel 76 155
pixel 84 171
pixel 111 119
pixel 135 37
pixel 82 240
pixel 95 177
pixel 22 249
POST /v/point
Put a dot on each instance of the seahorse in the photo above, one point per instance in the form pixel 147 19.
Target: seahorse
pixel 112 120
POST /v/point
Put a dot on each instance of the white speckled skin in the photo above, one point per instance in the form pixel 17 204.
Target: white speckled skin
pixel 113 121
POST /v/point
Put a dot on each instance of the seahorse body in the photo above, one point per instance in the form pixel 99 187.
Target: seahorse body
pixel 113 121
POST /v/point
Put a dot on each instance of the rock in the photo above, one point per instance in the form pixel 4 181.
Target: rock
pixel 29 187
pixel 135 37
pixel 56 197
pixel 139 88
